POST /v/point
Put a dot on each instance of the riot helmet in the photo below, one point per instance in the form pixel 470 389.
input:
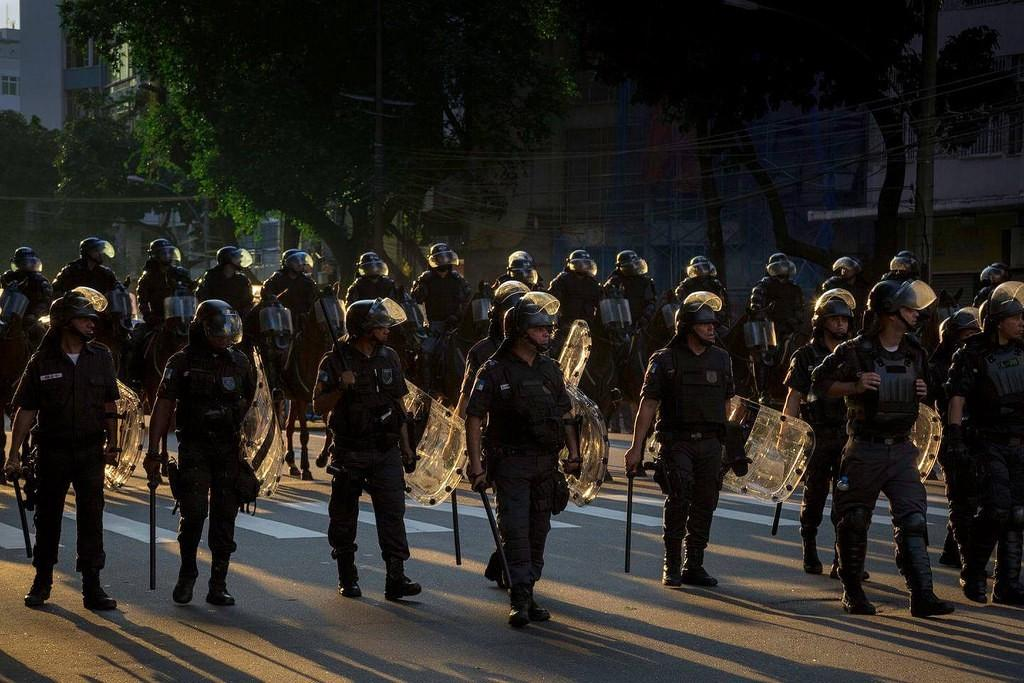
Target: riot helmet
pixel 1007 300
pixel 163 251
pixel 533 309
pixel 366 315
pixel 519 256
pixel 26 261
pixel 888 297
pixel 217 320
pixel 80 302
pixel 442 256
pixel 234 256
pixel 780 267
pixel 96 249
pixel 629 263
pixel 522 270
pixel 297 262
pixel 701 266
pixel 834 302
pixel 905 262
pixel 994 274
pixel 846 267
pixel 697 308
pixel 966 318
pixel 371 264
pixel 579 261
pixel 505 296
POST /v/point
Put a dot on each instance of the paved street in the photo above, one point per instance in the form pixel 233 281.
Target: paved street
pixel 766 621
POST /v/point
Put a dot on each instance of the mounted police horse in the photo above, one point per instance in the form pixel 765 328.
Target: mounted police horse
pixel 15 347
pixel 115 324
pixel 472 328
pixel 315 335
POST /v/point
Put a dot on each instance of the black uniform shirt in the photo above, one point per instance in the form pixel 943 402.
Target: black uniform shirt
pixel 214 390
pixel 831 412
pixel 442 296
pixel 476 357
pixel 156 283
pixel 297 293
pixel 69 396
pixel 235 290
pixel 579 296
pixel 524 404
pixel 639 291
pixel 856 356
pixel 373 406
pixel 678 389
pixel 78 274
pixel 365 287
pixel 993 406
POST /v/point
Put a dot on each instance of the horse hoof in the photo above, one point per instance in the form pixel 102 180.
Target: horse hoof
pixel 293 471
pixel 321 461
pixel 307 475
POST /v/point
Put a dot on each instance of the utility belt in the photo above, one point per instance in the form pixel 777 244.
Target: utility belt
pixel 671 436
pixel 67 442
pixel 495 453
pixel 881 440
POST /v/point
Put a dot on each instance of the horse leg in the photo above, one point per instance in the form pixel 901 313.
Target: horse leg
pixel 304 443
pixel 321 460
pixel 289 432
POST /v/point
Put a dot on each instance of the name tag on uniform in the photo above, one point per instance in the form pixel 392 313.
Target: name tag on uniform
pixel 505 387
pixel 53 375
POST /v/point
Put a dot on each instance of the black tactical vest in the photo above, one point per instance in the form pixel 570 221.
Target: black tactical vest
pixel 367 415
pixel 892 410
pixel 1004 371
pixel 529 417
pixel 213 400
pixel 699 387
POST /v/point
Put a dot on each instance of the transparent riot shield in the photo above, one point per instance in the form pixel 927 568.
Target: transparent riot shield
pixel 668 315
pixel 575 353
pixel 481 307
pixel 262 442
pixel 777 445
pixel 327 310
pixel 927 436
pixel 120 306
pixel 615 312
pixel 276 325
pixel 760 335
pixel 593 442
pixel 13 305
pixel 130 430
pixel 441 446
pixel 180 306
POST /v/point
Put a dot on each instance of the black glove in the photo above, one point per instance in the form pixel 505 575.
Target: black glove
pixel 152 466
pixel 740 467
pixel 953 444
pixel 478 481
pixel 409 462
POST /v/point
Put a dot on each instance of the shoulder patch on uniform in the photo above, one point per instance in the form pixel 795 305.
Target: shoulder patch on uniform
pixel 324 376
pixel 168 373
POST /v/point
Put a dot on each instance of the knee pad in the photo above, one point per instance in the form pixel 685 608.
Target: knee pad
pixel 1017 517
pixel 857 519
pixel 914 524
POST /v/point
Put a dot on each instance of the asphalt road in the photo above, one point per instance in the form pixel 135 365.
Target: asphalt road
pixel 766 621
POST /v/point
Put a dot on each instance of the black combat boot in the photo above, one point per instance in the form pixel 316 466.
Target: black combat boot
pixel 671 572
pixel 1007 590
pixel 39 593
pixel 535 611
pixel 218 593
pixel 812 565
pixel 984 535
pixel 917 570
pixel 833 573
pixel 851 548
pixel 397 585
pixel 519 599
pixel 950 556
pixel 93 595
pixel 187 576
pixel 494 572
pixel 348 576
pixel 693 570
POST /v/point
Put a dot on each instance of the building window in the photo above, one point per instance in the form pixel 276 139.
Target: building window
pixel 9 85
pixel 1015 132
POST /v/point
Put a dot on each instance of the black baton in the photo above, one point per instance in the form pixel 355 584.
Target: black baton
pixel 455 526
pixel 152 535
pixel 629 516
pixel 497 537
pixel 24 518
pixel 775 522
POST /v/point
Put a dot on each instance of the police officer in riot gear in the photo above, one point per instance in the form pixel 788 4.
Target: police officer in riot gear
pixel 577 290
pixel 833 318
pixel 848 274
pixel 445 294
pixel 161 277
pixel 687 386
pixel 27 274
pixel 521 268
pixel 991 277
pixel 701 275
pixel 881 373
pixel 209 386
pixel 903 266
pixel 372 281
pixel 88 270
pixel 959 476
pixel 70 387
pixel 360 386
pixel 777 300
pixel 986 381
pixel 520 394
pixel 630 278
pixel 292 286
pixel 226 281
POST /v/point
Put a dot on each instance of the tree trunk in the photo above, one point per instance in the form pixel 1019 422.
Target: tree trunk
pixel 887 227
pixel 333 235
pixel 785 242
pixel 712 203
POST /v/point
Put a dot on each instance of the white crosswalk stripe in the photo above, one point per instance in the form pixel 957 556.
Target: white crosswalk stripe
pixel 12 537
pixel 412 526
pixel 130 528
pixel 476 512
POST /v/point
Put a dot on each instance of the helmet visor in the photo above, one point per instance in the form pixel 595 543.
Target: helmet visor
pixel 1008 290
pixel 385 313
pixel 443 258
pixel 225 325
pixel 243 259
pixel 846 266
pixel 525 275
pixel 967 318
pixel 547 303
pixel 95 299
pixel 698 269
pixel 901 264
pixel 916 294
pixel 373 268
pixel 167 254
pixel 837 293
pixel 509 287
pixel 585 266
pixel 698 300
pixel 29 264
pixel 104 247
pixel 782 268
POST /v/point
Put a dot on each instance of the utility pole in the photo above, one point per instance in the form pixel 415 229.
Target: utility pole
pixel 926 130
pixel 378 140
